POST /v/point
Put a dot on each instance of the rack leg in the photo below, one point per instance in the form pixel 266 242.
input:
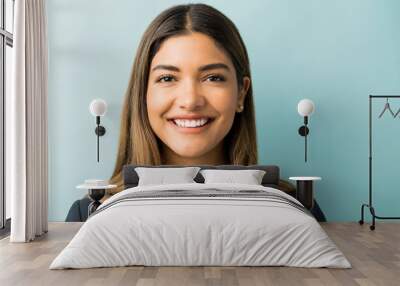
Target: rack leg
pixel 372 210
pixel 361 221
pixel 374 216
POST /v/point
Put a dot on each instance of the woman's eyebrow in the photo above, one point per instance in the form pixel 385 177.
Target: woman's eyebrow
pixel 201 69
pixel 165 67
pixel 214 66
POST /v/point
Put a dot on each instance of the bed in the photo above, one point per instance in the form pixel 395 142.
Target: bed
pixel 201 224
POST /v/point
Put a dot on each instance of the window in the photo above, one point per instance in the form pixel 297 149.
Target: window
pixel 6 44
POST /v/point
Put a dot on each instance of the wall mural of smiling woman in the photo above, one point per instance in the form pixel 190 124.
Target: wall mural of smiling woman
pixel 189 100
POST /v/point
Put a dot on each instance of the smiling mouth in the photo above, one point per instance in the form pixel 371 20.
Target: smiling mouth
pixel 191 123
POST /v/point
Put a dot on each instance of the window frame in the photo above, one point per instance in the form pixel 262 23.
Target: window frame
pixel 6 39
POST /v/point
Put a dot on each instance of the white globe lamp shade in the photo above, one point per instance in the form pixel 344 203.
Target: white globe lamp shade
pixel 98 107
pixel 305 107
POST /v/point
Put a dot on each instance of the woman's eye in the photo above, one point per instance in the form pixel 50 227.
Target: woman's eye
pixel 165 78
pixel 216 78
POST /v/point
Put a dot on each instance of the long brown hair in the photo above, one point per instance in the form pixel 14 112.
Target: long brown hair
pixel 137 142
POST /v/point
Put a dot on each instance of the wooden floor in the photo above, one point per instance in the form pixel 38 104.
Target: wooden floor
pixel 374 255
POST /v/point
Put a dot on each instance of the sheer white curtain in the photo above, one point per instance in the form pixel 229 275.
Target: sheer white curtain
pixel 27 123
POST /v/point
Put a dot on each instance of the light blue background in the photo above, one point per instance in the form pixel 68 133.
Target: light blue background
pixel 333 52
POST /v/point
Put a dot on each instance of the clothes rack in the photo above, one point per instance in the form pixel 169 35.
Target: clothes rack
pixel 370 205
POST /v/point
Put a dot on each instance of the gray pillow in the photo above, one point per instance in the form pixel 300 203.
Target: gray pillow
pixel 270 179
pixel 248 177
pixel 160 176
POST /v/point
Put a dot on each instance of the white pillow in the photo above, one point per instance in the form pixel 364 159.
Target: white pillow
pixel 161 176
pixel 249 177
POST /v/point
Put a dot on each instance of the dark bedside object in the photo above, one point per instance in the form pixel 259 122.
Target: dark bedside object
pixel 95 195
pixel 304 190
pixel 96 191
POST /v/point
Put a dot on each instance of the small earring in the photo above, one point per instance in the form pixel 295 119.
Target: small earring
pixel 240 108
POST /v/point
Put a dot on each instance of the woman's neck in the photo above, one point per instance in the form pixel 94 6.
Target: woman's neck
pixel 214 157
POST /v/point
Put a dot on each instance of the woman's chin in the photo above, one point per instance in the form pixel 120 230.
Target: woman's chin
pixel 184 154
pixel 190 153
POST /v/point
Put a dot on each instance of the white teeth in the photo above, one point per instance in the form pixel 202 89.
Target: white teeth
pixel 191 123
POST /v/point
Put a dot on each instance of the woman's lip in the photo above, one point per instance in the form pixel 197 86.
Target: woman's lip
pixel 190 130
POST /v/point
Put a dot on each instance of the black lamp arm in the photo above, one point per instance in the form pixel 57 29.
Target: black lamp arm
pixel 100 131
pixel 303 131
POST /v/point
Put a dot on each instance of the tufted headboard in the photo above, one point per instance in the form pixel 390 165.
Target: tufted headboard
pixel 270 179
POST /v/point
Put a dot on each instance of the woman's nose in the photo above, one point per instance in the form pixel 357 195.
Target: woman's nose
pixel 190 97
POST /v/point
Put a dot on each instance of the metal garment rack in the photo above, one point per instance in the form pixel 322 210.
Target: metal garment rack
pixel 369 205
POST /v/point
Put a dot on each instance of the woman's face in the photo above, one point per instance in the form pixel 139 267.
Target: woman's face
pixel 192 97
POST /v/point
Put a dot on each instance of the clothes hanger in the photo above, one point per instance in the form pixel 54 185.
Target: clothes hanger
pixel 387 107
pixel 397 113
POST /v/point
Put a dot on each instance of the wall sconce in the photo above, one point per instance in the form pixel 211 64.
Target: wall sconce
pixel 305 108
pixel 98 107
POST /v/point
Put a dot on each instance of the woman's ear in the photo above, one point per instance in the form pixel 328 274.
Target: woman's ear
pixel 242 93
